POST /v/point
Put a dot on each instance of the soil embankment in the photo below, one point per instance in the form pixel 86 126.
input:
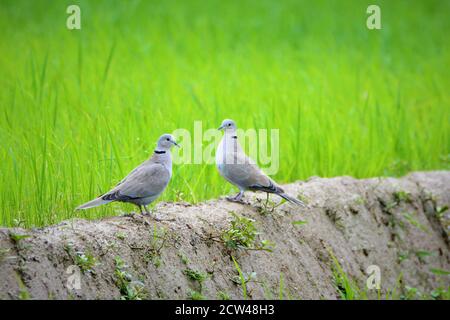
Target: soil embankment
pixel 399 225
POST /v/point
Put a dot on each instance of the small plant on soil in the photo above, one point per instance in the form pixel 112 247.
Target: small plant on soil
pixel 85 261
pixel 242 279
pixel 184 259
pixel 402 196
pixel 299 222
pixel 158 239
pixel 195 295
pixel 243 234
pixel 129 288
pixel 23 291
pixel 422 254
pixel 195 275
pixel 411 293
pixel 346 287
pixel 440 272
pixel 402 256
pixel 121 235
pixel 223 295
pixel 441 293
pixel 16 237
pixel 413 221
pixel 268 206
pixel 440 211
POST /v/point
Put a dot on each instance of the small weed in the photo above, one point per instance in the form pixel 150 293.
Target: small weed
pixel 360 201
pixel 85 261
pixel 243 281
pixel 410 294
pixel 223 295
pixel 335 217
pixel 299 222
pixel 392 294
pixel 402 256
pixel 243 234
pixel 441 293
pixel 247 277
pixel 195 295
pixel 422 254
pixel 268 206
pixel 440 272
pixel 15 237
pixel 415 223
pixel 184 259
pixel 402 196
pixel 346 287
pixel 23 291
pixel 440 211
pixel 195 275
pixel 158 240
pixel 129 289
pixel 121 235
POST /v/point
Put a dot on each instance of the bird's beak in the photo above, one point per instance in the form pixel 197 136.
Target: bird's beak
pixel 220 128
pixel 176 144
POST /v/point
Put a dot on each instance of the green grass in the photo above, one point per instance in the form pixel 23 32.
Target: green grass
pixel 80 109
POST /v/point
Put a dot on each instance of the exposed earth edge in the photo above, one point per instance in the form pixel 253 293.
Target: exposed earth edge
pixel 397 225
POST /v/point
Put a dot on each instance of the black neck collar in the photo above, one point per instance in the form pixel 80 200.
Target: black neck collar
pixel 159 152
pixel 233 137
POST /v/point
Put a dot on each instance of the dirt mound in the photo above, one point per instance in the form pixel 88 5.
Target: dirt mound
pixel 397 225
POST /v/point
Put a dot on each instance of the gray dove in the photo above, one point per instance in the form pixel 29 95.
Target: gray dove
pixel 238 169
pixel 145 183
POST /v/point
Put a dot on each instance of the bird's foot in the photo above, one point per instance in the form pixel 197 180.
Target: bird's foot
pixel 138 218
pixel 235 199
pixel 154 217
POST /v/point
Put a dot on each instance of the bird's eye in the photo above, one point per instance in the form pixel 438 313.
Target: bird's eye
pixel 229 124
pixel 168 139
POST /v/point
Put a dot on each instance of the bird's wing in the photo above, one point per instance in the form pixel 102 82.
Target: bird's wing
pixel 244 172
pixel 147 180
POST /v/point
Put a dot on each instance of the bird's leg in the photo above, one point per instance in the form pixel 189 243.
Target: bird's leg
pixel 149 213
pixel 140 209
pixel 238 197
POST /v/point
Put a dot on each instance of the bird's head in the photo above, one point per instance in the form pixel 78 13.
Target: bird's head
pixel 228 125
pixel 167 141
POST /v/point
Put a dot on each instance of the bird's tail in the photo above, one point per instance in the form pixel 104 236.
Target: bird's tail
pixel 93 203
pixel 292 199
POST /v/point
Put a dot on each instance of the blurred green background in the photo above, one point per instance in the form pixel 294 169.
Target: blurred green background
pixel 80 108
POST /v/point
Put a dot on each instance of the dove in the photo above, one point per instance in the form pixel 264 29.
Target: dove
pixel 241 171
pixel 145 183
